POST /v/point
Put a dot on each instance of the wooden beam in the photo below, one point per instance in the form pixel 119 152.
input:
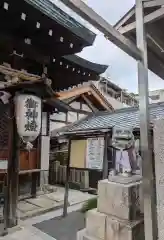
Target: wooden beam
pixel 81 111
pixel 22 75
pixel 60 121
pixel 86 89
pixel 103 26
pixel 126 17
pixel 73 92
pixel 89 103
pixel 103 101
pixel 156 36
pixel 22 172
pixel 153 3
pixel 152 17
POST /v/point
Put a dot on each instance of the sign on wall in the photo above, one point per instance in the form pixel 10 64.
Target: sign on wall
pixel 28 116
pixel 95 153
pixel 3 164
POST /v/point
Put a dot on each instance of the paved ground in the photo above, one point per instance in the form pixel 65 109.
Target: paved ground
pixel 49 202
pixel 27 230
pixel 63 228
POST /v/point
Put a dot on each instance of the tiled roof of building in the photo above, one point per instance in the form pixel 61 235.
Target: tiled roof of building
pixel 123 118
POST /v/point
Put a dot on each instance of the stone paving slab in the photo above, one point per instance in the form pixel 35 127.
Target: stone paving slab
pixel 40 211
pixel 74 197
pixel 49 202
pixel 26 234
pixel 79 199
pixel 42 202
pixel 58 197
pixel 25 206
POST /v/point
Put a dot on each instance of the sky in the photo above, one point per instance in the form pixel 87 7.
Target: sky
pixel 122 68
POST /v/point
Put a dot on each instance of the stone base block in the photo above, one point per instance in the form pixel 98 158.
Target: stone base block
pixel 95 224
pixel 116 229
pixel 119 199
pixel 82 235
pixel 124 230
pixel 89 238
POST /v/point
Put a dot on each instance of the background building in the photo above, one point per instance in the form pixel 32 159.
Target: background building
pixel 155 96
pixel 115 95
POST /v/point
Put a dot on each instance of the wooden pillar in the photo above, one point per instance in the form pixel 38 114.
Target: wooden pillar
pixel 67 181
pixel 34 179
pixel 13 170
pixel 105 160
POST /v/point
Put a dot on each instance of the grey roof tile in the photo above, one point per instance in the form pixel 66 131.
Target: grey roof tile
pixel 127 117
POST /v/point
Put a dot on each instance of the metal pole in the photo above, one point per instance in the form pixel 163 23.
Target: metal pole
pixel 150 220
pixel 67 181
pixel 105 160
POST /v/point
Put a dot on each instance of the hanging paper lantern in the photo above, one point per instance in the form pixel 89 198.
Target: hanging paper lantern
pixel 28 116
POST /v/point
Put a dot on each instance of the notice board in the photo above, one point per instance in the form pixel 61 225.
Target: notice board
pixel 95 153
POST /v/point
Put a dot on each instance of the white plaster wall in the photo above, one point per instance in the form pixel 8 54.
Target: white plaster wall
pixel 72 117
pixel 115 103
pixel 54 125
pixel 75 105
pixel 82 116
pixel 86 108
pixel 59 116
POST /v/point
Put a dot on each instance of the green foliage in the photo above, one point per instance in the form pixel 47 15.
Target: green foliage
pixel 90 204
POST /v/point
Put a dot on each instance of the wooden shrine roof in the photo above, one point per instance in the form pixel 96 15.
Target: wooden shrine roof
pixel 89 93
pixel 40 30
pixel 42 35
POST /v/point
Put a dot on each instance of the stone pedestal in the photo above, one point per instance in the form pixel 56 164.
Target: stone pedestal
pixel 119 199
pixel 118 212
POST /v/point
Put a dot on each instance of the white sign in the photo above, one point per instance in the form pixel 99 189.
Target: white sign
pixel 28 116
pixel 95 153
pixel 3 164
